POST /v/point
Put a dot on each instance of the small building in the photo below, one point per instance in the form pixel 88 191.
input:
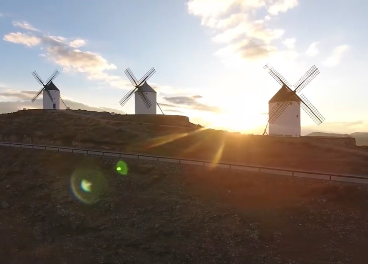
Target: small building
pixel 151 95
pixel 54 92
pixel 288 123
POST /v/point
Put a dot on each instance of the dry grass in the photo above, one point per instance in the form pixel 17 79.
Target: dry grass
pixel 154 135
pixel 167 213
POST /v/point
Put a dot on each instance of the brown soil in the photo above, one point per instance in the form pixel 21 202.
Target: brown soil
pixel 166 213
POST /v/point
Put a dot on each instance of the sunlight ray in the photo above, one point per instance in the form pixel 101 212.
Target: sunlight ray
pixel 159 141
pixel 218 154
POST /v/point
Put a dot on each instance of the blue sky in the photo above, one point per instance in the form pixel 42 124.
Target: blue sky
pixel 208 56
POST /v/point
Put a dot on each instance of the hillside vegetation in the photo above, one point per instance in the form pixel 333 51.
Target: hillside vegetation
pixel 169 213
pixel 173 136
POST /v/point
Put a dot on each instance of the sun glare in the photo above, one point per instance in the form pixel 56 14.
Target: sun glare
pixel 233 122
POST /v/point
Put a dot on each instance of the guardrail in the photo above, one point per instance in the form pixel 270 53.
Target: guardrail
pixel 360 179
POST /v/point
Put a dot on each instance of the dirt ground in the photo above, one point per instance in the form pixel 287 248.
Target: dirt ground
pixel 168 213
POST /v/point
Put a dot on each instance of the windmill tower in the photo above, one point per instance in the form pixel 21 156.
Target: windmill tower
pixel 145 96
pixel 284 106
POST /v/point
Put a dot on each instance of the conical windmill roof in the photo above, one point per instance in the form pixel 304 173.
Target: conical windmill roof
pixel 283 95
pixel 146 88
pixel 51 86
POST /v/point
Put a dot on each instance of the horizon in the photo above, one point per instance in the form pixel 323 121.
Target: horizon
pixel 208 56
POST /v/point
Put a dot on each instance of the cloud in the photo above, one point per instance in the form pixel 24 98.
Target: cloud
pixel 77 43
pixel 173 111
pixel 20 38
pixel 166 105
pixel 17 95
pixel 289 43
pixel 282 6
pixel 236 25
pixel 336 56
pixel 65 53
pixel 191 103
pixel 12 101
pixel 24 25
pixel 312 49
pixel 74 59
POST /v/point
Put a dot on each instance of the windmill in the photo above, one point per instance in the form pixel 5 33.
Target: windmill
pixel 284 106
pixel 145 96
pixel 51 94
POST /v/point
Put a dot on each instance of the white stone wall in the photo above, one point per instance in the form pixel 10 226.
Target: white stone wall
pixel 288 123
pixel 47 103
pixel 141 108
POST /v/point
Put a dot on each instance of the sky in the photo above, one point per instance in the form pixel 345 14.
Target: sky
pixel 208 56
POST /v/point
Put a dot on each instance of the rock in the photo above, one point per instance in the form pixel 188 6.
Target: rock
pixel 4 205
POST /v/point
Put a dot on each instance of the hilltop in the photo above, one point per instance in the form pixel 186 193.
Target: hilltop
pixel 175 136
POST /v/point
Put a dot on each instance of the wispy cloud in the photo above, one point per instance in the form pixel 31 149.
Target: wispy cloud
pixel 281 6
pixel 336 56
pixel 312 49
pixel 21 38
pixel 24 25
pixel 77 43
pixel 65 53
pixel 236 25
pixel 191 102
pixel 289 43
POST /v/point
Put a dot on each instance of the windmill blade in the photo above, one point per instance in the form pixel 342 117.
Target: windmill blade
pixel 277 76
pixel 52 77
pixel 145 99
pixel 160 108
pixel 48 93
pixel 38 78
pixel 279 109
pixel 131 77
pixel 313 113
pixel 274 109
pixel 147 75
pixel 126 98
pixel 132 74
pixel 63 102
pixel 34 98
pixel 306 79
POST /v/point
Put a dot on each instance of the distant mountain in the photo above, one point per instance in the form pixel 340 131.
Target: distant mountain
pixel 361 138
pixel 322 134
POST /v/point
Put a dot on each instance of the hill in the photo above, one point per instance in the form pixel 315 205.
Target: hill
pixel 174 136
pixel 361 138
pixel 170 213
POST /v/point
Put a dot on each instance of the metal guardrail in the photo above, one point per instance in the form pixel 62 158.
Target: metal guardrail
pixel 360 179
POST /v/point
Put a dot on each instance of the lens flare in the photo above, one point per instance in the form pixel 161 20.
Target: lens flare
pixel 88 185
pixel 122 167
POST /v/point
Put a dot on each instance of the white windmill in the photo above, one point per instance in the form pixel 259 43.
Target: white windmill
pixel 51 94
pixel 284 106
pixel 145 96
